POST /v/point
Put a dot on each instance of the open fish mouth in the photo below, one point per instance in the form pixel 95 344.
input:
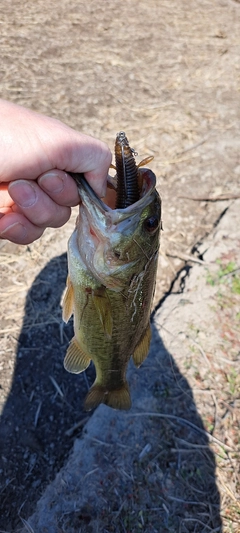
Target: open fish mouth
pixel 92 201
pixel 105 234
pixel 131 183
pixel 104 228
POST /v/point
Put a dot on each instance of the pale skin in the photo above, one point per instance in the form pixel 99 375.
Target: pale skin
pixel 36 154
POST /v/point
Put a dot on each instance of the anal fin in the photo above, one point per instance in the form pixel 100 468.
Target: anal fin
pixel 117 398
pixel 76 360
pixel 68 301
pixel 142 348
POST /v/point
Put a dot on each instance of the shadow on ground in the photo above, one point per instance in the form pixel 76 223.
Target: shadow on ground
pixel 172 483
pixel 45 401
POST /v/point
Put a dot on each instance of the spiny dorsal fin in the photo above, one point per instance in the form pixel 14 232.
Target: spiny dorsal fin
pixel 103 307
pixel 76 361
pixel 67 301
pixel 142 348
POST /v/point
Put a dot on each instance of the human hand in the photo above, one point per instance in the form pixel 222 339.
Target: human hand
pixel 36 152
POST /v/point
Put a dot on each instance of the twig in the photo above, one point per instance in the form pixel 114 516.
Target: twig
pixel 120 509
pixel 186 443
pixel 219 198
pixel 230 493
pixel 193 146
pixel 91 472
pixel 27 525
pixel 200 349
pixel 187 423
pixel 76 426
pixel 177 160
pixel 185 257
pixel 145 451
pixel 189 450
pixel 37 414
pixel 230 273
pixel 56 386
pixel 109 444
pixel 98 441
pixel 215 530
pixel 6 485
pixel 186 502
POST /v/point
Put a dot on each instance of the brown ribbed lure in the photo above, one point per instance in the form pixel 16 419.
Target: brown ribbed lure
pixel 127 173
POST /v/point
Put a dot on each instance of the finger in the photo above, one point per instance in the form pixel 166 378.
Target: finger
pixel 18 229
pixel 76 152
pixel 36 205
pixel 4 211
pixel 60 187
pixel 5 198
pixel 98 167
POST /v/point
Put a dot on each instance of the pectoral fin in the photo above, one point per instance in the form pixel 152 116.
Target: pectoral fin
pixel 67 301
pixel 142 349
pixel 76 360
pixel 103 307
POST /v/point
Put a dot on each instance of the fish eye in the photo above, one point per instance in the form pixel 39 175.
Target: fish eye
pixel 151 224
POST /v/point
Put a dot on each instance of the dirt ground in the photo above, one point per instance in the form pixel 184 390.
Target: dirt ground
pixel 168 74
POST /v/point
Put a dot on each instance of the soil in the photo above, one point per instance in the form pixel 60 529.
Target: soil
pixel 167 73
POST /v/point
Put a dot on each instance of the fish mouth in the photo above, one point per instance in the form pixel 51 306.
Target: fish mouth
pixel 105 222
pixel 102 209
pixel 100 230
pixel 84 187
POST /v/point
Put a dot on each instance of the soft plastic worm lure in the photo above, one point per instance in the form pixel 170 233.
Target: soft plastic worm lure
pixel 127 173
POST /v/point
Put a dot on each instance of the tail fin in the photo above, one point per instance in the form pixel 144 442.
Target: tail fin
pixel 117 399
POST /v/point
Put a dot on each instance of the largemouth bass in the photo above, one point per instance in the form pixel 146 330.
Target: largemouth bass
pixel 112 263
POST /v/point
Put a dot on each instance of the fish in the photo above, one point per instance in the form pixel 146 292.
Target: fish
pixel 112 265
